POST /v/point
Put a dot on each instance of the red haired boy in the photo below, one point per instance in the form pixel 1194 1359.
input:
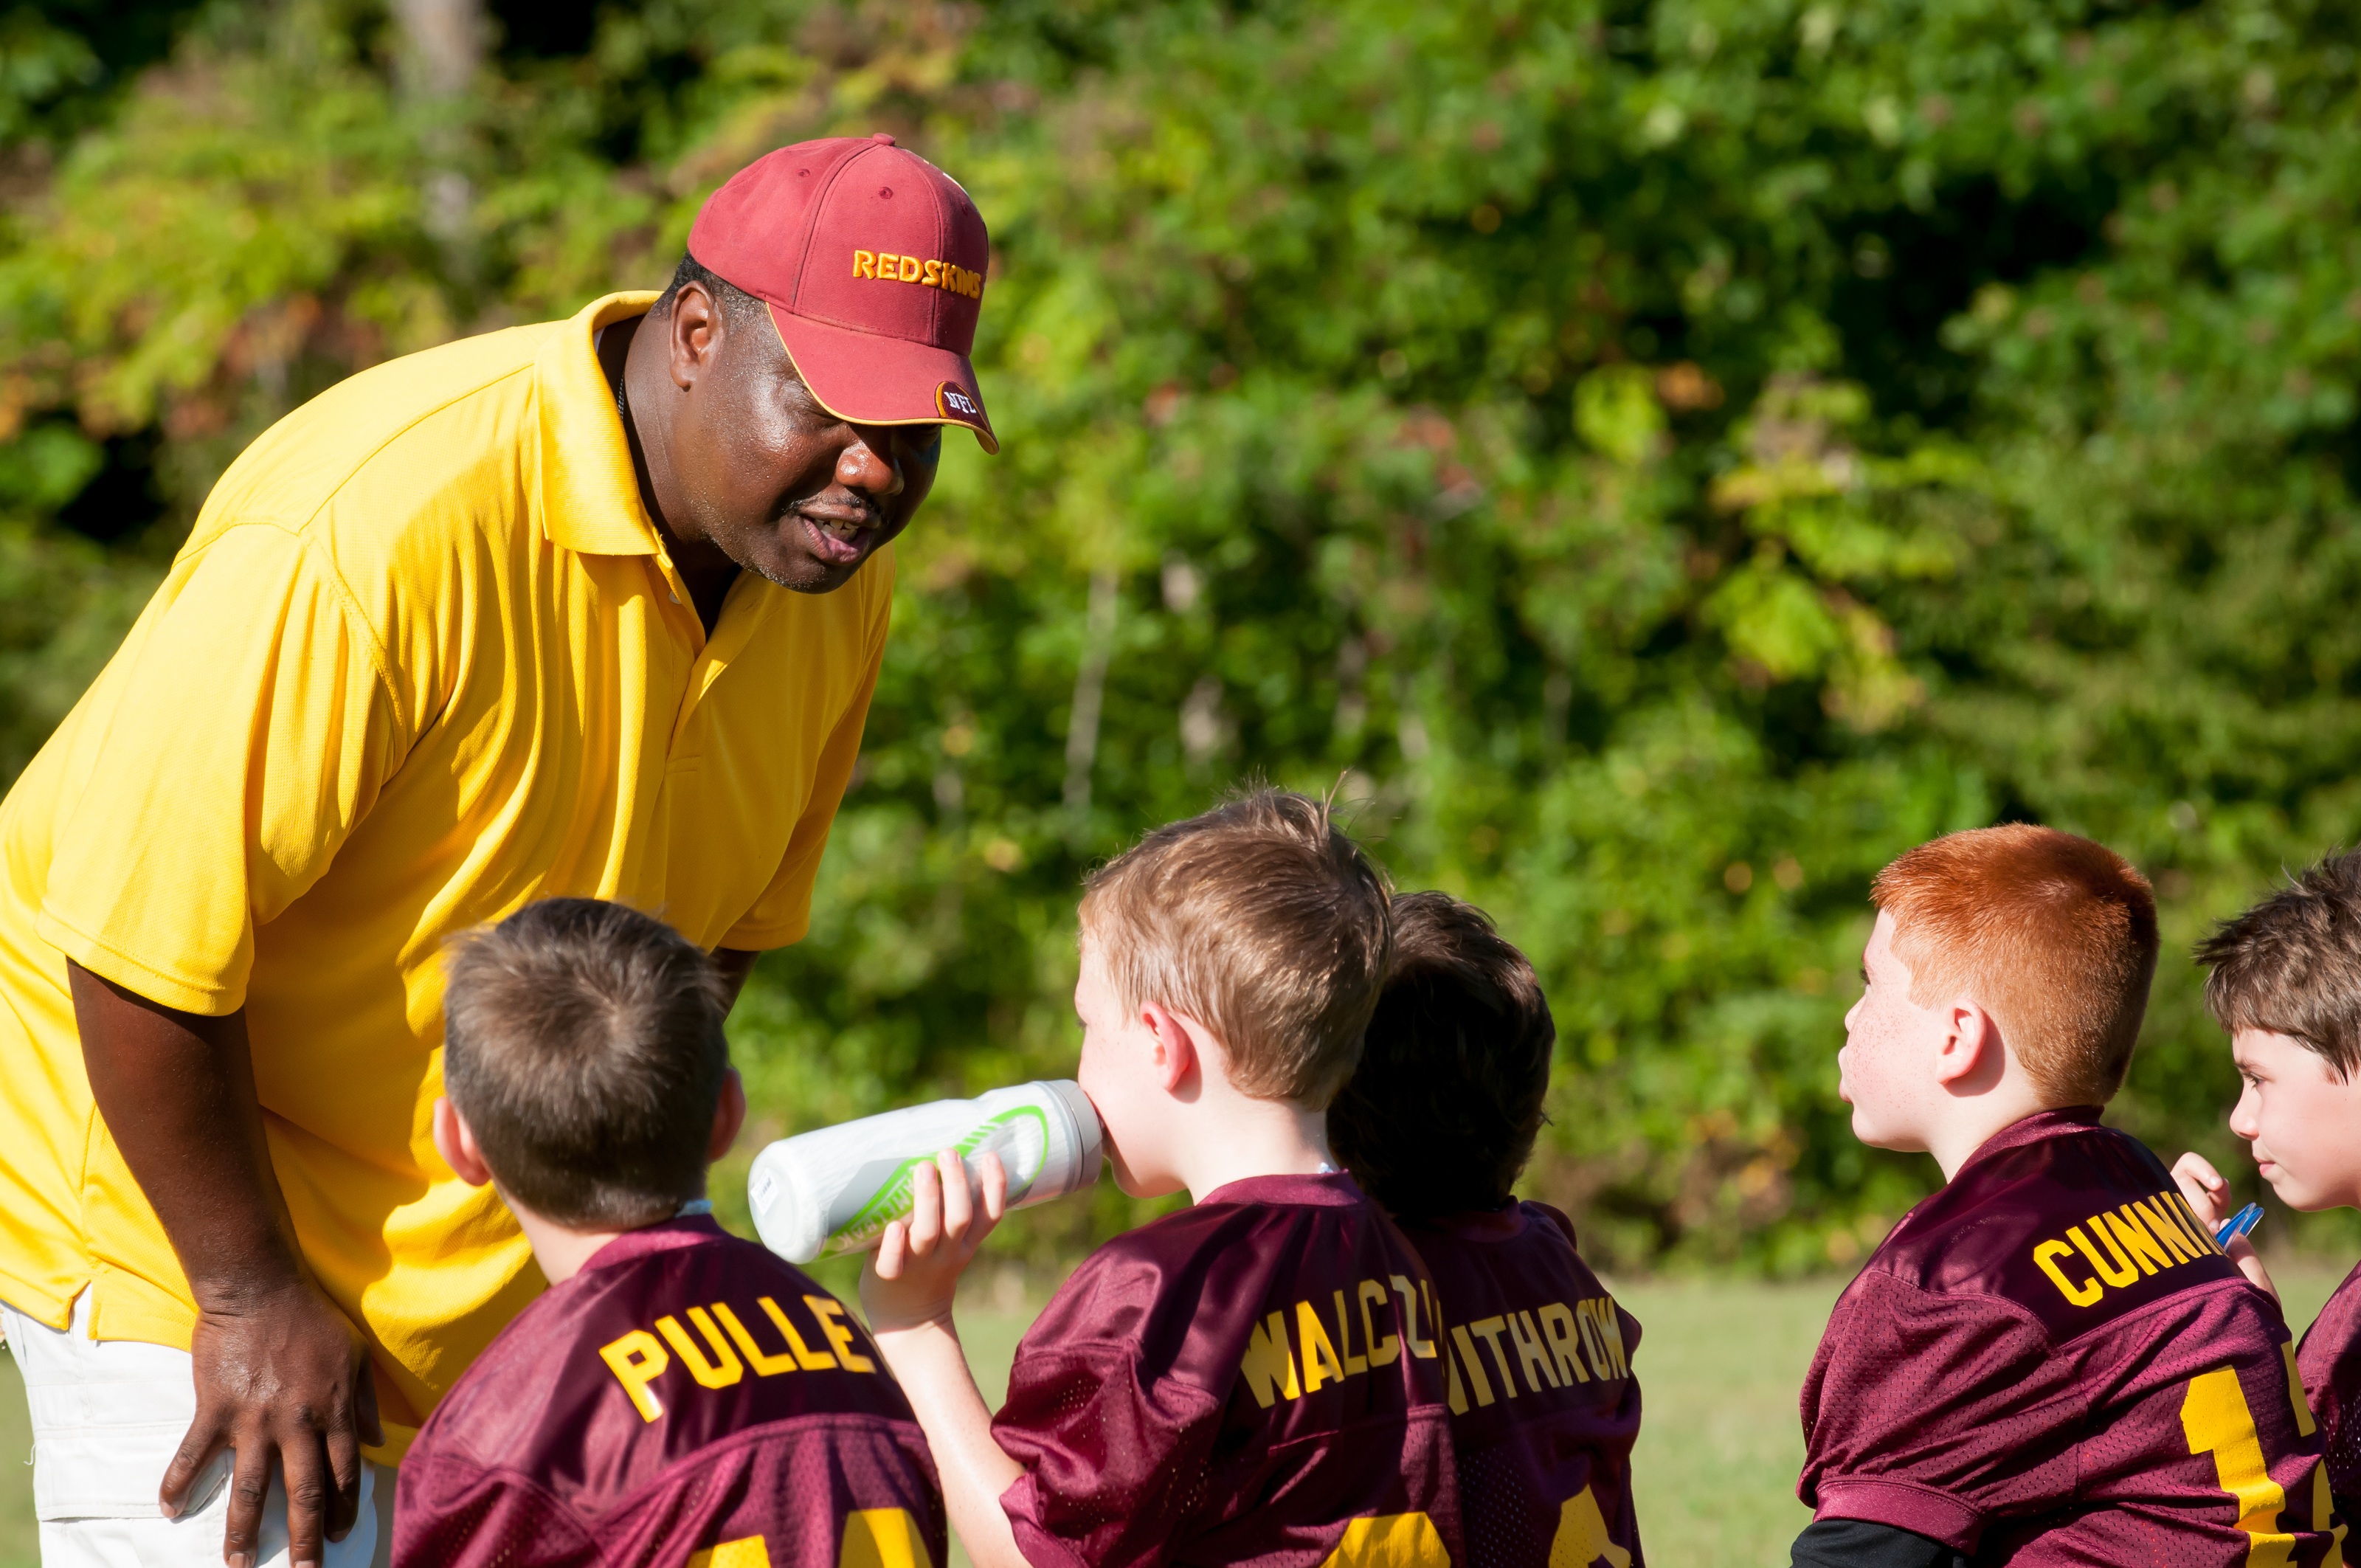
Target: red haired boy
pixel 2049 1360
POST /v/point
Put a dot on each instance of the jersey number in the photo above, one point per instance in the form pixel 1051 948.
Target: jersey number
pixel 1391 1540
pixel 2216 1419
pixel 873 1538
pixel 1582 1536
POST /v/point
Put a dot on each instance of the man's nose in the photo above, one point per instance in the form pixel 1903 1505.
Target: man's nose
pixel 861 466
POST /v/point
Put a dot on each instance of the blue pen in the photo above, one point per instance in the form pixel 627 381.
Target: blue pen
pixel 2238 1224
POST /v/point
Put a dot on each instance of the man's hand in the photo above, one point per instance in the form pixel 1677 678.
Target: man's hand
pixel 262 1366
pixel 279 1371
pixel 2208 1197
pixel 912 1276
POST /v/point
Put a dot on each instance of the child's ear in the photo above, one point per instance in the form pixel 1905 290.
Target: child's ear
pixel 728 1116
pixel 456 1142
pixel 1971 1056
pixel 1176 1045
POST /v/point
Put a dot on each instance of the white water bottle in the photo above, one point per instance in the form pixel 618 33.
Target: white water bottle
pixel 837 1188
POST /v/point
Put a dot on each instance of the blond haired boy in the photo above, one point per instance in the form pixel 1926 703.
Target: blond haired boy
pixel 2047 1361
pixel 1253 1380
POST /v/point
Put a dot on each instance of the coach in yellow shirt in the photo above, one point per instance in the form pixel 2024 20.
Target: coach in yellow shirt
pixel 592 607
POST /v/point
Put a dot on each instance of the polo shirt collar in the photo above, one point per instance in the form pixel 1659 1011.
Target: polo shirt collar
pixel 589 496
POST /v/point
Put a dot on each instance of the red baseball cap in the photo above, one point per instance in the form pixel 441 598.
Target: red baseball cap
pixel 873 262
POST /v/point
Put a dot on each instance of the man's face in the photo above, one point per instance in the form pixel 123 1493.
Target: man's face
pixel 2302 1122
pixel 781 486
pixel 1885 1071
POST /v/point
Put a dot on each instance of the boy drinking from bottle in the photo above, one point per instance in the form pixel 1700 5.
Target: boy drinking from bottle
pixel 1253 1380
pixel 1436 1125
pixel 2285 981
pixel 2049 1360
pixel 676 1395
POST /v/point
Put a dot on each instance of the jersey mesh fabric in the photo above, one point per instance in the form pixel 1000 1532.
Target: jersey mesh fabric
pixel 1207 1389
pixel 2004 1380
pixel 588 1434
pixel 2331 1363
pixel 1563 1426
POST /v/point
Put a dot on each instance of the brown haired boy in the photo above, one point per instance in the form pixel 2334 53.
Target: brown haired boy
pixel 677 1395
pixel 2049 1360
pixel 1437 1124
pixel 1253 1380
pixel 2286 983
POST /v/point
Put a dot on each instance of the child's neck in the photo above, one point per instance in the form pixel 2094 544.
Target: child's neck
pixel 561 1250
pixel 1966 1125
pixel 1247 1137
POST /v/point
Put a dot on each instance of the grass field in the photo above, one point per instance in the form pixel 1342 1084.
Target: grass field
pixel 1719 1362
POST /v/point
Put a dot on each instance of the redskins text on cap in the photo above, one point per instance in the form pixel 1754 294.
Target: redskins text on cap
pixel 873 262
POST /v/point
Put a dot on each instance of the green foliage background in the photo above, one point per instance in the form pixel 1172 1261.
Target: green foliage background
pixel 1665 459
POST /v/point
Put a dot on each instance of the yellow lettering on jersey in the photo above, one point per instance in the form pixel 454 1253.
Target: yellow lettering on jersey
pixel 747 1552
pixel 1531 1354
pixel 637 1360
pixel 829 1311
pixel 1489 1329
pixel 1421 1348
pixel 2045 1256
pixel 1610 1335
pixel 2198 1229
pixel 1582 1539
pixel 2144 1249
pixel 1320 1363
pixel 1557 1323
pixel 2305 1425
pixel 2324 1517
pixel 721 1372
pixel 1269 1363
pixel 810 1360
pixel 882 1538
pixel 2216 1419
pixel 1475 1369
pixel 2121 1273
pixel 2158 1215
pixel 764 1364
pixel 1353 1364
pixel 1382 1352
pixel 1389 1541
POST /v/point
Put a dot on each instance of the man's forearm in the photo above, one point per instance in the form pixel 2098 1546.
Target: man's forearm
pixel 177 1092
pixel 931 1366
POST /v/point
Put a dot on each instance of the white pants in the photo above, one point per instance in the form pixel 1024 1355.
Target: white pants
pixel 107 1418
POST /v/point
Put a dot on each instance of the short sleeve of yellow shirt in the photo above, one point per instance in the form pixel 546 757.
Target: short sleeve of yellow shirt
pixel 422 661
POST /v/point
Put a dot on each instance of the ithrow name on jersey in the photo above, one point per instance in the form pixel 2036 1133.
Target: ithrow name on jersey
pixel 1550 1342
pixel 639 1358
pixel 2116 1248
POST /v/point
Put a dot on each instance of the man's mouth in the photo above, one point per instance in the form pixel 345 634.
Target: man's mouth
pixel 836 540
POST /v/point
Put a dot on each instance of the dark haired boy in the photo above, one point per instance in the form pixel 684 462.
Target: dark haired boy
pixel 2285 981
pixel 1437 1124
pixel 2049 1360
pixel 677 1396
pixel 1253 1381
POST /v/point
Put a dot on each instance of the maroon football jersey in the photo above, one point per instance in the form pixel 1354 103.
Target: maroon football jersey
pixel 1256 1380
pixel 688 1399
pixel 2331 1363
pixel 2049 1362
pixel 1538 1379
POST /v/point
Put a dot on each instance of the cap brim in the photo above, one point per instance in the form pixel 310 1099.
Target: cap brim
pixel 863 377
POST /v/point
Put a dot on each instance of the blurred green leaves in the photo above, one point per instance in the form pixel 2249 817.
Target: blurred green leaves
pixel 1664 459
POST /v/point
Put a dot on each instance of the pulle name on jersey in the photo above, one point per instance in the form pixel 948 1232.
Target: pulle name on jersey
pixel 2116 1248
pixel 639 1357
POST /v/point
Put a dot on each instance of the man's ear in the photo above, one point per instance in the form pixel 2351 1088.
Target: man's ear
pixel 694 333
pixel 1175 1044
pixel 728 1116
pixel 456 1142
pixel 1971 1056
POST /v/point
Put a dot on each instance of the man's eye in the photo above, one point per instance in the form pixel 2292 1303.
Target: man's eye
pixel 924 444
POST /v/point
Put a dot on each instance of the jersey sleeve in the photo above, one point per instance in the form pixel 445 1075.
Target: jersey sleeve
pixel 1935 1414
pixel 452 1512
pixel 249 730
pixel 1112 1462
pixel 783 913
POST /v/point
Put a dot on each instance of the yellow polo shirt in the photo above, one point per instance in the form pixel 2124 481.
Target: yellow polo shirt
pixel 422 660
